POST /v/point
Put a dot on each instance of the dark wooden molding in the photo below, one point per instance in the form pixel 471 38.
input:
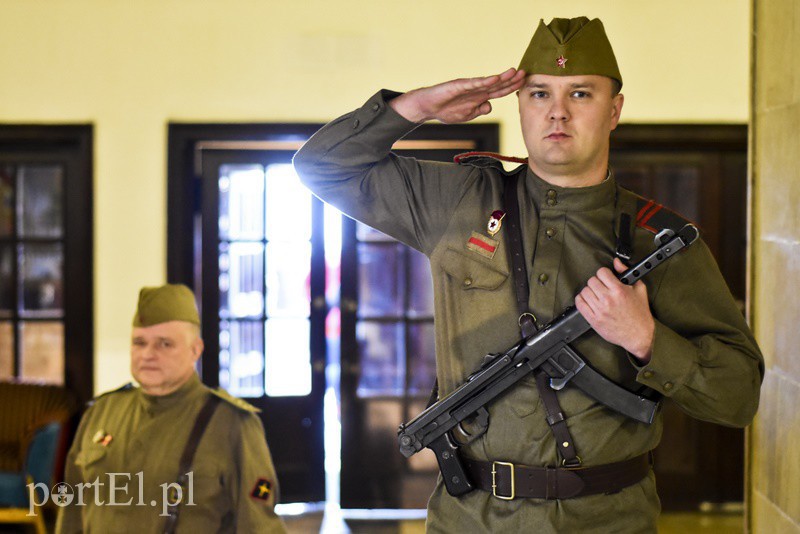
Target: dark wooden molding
pixel 671 137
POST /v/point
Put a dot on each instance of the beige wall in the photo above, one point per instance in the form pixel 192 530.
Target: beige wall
pixel 130 67
pixel 775 436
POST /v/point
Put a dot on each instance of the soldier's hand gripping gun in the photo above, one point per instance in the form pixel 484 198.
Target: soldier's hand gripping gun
pixel 440 425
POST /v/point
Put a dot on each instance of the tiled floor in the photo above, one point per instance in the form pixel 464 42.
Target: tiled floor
pixel 671 523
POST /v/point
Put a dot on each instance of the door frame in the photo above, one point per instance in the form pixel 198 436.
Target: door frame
pixel 72 146
pixel 714 449
pixel 300 469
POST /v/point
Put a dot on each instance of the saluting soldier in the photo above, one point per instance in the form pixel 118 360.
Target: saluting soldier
pixel 171 455
pixel 678 333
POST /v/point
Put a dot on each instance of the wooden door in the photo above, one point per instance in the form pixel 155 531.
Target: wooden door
pixel 263 304
pixel 701 173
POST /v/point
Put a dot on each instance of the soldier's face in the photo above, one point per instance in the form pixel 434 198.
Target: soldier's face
pixel 163 355
pixel 566 122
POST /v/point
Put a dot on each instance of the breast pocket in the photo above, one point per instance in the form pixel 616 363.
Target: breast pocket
pixel 471 274
pixel 92 462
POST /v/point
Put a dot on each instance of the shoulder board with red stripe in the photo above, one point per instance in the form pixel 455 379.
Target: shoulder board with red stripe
pixel 654 217
pixel 486 159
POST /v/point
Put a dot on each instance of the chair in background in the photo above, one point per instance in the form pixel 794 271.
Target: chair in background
pixel 16 505
pixel 35 423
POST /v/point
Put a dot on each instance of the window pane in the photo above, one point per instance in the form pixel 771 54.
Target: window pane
pixel 380 280
pixel 382 359
pixel 41 270
pixel 42 351
pixel 241 360
pixel 367 233
pixel 422 353
pixel 241 202
pixel 420 289
pixel 241 279
pixel 288 279
pixel 6 350
pixel 333 254
pixel 288 205
pixel 6 280
pixel 6 200
pixel 39 201
pixel 288 358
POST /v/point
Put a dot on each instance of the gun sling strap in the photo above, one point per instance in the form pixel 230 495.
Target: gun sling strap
pixel 506 480
pixel 527 323
pixel 185 464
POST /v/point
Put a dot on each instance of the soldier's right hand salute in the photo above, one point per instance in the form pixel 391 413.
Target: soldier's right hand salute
pixel 457 100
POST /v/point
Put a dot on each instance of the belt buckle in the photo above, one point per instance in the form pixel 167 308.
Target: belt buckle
pixel 494 481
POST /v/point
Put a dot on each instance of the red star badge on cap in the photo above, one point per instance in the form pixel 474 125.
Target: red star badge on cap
pixel 562 62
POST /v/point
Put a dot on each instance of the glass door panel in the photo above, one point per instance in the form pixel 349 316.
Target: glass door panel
pixel 422 356
pixel 42 351
pixel 32 245
pixel 288 363
pixel 241 279
pixel 241 202
pixel 39 201
pixel 381 280
pixel 383 362
pixel 288 277
pixel 260 245
pixel 241 357
pixel 41 289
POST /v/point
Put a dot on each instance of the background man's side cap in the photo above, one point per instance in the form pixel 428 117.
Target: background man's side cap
pixel 571 47
pixel 171 302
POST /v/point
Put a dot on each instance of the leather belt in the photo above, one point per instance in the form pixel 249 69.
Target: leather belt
pixel 507 481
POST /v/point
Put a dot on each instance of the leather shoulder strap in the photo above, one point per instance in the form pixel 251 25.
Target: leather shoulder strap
pixel 516 256
pixel 185 464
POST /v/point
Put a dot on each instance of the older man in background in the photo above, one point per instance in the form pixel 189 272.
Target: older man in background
pixel 171 455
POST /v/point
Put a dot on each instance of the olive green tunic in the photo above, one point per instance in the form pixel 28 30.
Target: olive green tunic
pixel 704 357
pixel 148 435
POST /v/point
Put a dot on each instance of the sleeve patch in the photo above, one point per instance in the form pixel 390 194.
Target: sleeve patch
pixel 262 490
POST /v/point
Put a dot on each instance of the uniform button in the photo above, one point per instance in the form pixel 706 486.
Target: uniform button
pixel 648 374
pixel 668 385
pixel 467 282
pixel 543 278
pixel 551 193
pixel 550 232
pixel 356 123
pixel 551 202
pixel 376 106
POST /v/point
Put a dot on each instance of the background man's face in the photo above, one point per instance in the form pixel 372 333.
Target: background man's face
pixel 566 122
pixel 163 355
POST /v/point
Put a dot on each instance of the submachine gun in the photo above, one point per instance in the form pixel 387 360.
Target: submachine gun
pixel 440 428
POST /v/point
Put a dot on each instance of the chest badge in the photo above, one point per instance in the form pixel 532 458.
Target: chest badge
pixel 102 437
pixel 495 222
pixel 483 245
